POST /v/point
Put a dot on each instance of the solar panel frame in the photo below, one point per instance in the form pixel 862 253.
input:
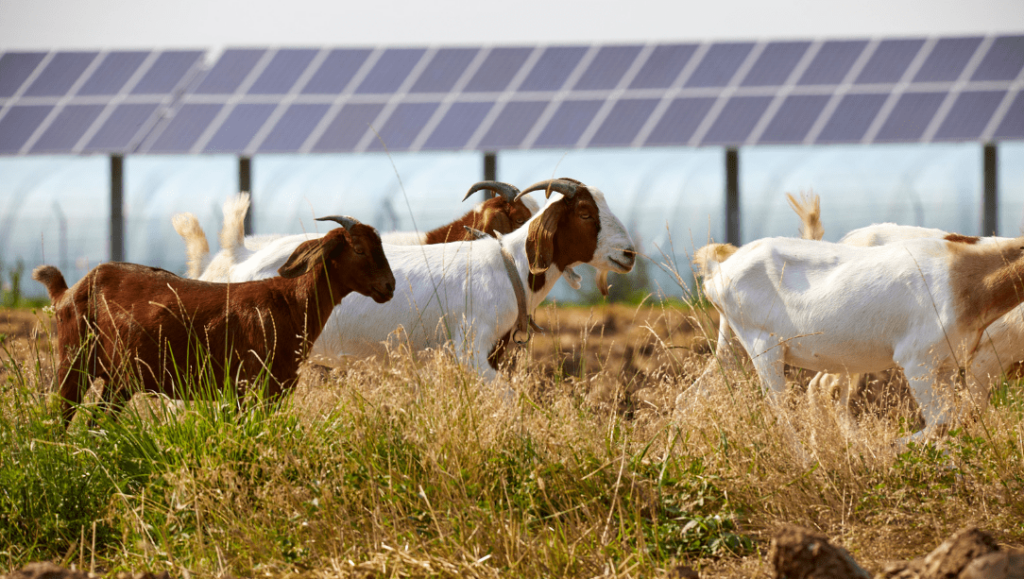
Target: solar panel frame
pixel 347 128
pixel 336 71
pixel 969 115
pixel 122 128
pixel 833 62
pixel 181 132
pixel 239 128
pixel 775 64
pixel 737 120
pixel 512 125
pixel 498 69
pixel 851 119
pixel 283 71
pixel 553 68
pixel 67 127
pixel 444 69
pixel 15 69
pixel 624 122
pixel 19 124
pixel 458 125
pixel 403 126
pixel 1011 126
pixel 231 69
pixel 390 71
pixel 60 74
pixel 719 65
pixel 794 119
pixel 113 73
pixel 1004 60
pixel 169 71
pixel 948 59
pixel 909 119
pixel 663 66
pixel 680 121
pixel 293 128
pixel 608 67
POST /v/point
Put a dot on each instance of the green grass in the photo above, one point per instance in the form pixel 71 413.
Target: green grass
pixel 416 469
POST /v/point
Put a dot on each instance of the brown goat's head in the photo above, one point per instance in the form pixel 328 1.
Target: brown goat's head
pixel 504 213
pixel 577 228
pixel 353 255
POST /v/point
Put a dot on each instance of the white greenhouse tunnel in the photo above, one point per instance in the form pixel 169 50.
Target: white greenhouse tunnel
pixel 55 209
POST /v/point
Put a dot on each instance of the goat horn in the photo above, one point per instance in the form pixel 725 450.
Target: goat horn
pixel 562 186
pixel 345 221
pixel 507 191
pixel 476 232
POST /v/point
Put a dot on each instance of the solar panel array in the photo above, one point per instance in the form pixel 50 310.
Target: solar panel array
pixel 286 100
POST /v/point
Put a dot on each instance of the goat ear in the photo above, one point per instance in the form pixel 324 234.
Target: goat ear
pixel 306 256
pixel 540 240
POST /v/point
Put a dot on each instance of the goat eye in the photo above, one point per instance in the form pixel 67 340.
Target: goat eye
pixel 359 251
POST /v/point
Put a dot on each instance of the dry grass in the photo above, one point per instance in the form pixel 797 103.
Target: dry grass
pixel 413 468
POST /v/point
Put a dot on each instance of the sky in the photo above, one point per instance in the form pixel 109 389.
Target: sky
pixel 98 24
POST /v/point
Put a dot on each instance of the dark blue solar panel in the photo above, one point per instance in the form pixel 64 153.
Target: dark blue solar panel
pixel 680 121
pixel 458 125
pixel 15 67
pixel 18 125
pixel 1012 125
pixel 794 119
pixel 60 74
pixel 512 125
pixel 737 119
pixel 282 71
pixel 121 128
pixel 851 118
pixel 947 59
pixel 623 123
pixel 64 132
pixel 167 72
pixel 444 70
pixel 663 66
pixel 910 117
pixel 719 64
pixel 775 64
pixel 970 115
pixel 294 127
pixel 348 128
pixel 833 62
pixel 552 68
pixel 403 126
pixel 231 69
pixel 185 128
pixel 607 68
pixel 390 71
pixel 889 61
pixel 498 69
pixel 239 128
pixel 336 71
pixel 1004 60
pixel 568 123
pixel 112 73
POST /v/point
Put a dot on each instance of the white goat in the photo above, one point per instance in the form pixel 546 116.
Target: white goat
pixel 460 293
pixel 921 304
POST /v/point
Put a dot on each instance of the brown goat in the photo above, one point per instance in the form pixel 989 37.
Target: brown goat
pixel 136 325
pixel 503 213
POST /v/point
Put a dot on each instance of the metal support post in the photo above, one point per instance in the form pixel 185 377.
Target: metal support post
pixel 732 196
pixel 117 208
pixel 490 170
pixel 245 185
pixel 990 203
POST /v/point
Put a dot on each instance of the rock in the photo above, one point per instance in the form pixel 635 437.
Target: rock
pixel 683 572
pixel 996 565
pixel 799 553
pixel 947 560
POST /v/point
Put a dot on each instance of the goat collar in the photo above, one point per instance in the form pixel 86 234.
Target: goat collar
pixel 524 323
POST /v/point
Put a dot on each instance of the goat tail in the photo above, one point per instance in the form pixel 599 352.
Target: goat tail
pixel 51 277
pixel 708 257
pixel 232 232
pixel 808 209
pixel 197 250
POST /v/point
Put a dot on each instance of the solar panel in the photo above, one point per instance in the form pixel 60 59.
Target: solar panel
pixel 497 70
pixel 970 115
pixel 239 128
pixel 1004 60
pixel 568 123
pixel 719 64
pixel 775 64
pixel 403 126
pixel 347 128
pixel 60 74
pixel 15 68
pixel 282 71
pixel 490 98
pixel 458 125
pixel 112 73
pixel 390 71
pixel 910 117
pixel 623 123
pixel 444 69
pixel 18 125
pixel 608 67
pixel 294 127
pixel 70 125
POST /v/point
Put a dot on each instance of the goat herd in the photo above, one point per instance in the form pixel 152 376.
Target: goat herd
pixel 884 296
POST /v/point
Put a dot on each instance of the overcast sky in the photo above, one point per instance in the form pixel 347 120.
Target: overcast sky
pixel 91 24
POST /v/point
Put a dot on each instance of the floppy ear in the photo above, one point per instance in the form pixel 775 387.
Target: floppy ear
pixel 498 222
pixel 306 256
pixel 540 240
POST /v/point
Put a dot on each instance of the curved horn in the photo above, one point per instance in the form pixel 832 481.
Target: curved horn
pixel 562 186
pixel 507 191
pixel 344 220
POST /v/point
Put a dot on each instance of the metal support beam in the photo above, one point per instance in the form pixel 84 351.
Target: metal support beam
pixel 732 196
pixel 490 170
pixel 990 203
pixel 117 208
pixel 245 184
